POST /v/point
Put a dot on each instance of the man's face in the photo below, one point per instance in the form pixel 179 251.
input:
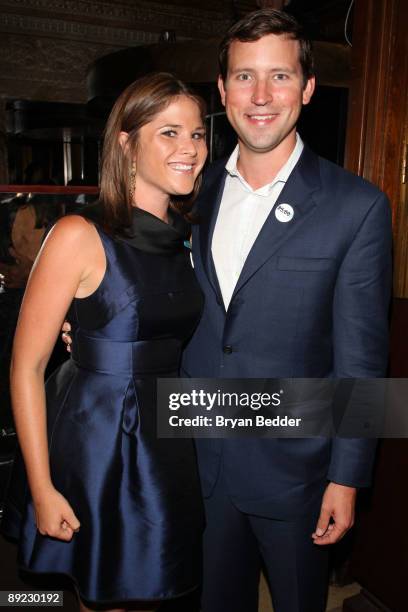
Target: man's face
pixel 264 91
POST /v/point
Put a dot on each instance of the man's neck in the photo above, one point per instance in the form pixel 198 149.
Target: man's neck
pixel 259 169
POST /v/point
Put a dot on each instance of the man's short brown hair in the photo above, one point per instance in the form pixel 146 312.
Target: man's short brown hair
pixel 261 23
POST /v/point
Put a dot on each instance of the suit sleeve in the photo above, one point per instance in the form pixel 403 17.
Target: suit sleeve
pixel 360 330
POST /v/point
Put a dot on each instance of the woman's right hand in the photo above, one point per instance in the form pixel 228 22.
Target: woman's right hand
pixel 54 516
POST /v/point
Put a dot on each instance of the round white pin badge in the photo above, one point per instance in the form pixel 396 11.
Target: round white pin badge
pixel 284 212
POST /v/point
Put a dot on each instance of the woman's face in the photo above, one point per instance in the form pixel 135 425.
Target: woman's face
pixel 171 151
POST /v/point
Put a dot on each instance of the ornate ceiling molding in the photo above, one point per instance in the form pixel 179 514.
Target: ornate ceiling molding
pixel 61 18
pixel 47 45
pixel 74 30
pixel 125 9
pixel 46 69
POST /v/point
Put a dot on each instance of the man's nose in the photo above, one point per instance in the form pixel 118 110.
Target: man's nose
pixel 261 93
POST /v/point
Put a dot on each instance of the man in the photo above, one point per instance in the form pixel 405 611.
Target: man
pixel 293 255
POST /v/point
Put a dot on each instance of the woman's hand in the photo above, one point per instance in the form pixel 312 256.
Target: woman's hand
pixel 54 516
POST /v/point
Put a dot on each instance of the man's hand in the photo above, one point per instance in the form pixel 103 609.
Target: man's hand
pixel 66 328
pixel 337 506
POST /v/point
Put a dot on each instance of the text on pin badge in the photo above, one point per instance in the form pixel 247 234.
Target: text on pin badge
pixel 284 212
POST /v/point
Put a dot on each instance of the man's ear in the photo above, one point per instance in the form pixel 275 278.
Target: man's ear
pixel 123 140
pixel 308 90
pixel 221 89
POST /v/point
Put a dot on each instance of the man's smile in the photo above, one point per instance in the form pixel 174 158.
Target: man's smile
pixel 261 119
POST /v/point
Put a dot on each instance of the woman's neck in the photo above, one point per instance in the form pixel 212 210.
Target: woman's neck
pixel 157 205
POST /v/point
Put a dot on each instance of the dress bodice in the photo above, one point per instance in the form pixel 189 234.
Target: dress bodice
pixel 149 290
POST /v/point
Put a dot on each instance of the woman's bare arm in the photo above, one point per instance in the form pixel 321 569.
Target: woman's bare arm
pixel 70 263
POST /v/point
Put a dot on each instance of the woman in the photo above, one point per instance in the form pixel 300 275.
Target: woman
pixel 111 505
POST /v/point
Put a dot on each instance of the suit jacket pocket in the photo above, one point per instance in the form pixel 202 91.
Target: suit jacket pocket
pixel 304 264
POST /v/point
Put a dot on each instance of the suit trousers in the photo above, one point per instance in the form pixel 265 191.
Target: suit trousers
pixel 237 545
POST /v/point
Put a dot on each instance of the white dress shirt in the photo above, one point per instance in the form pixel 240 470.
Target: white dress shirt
pixel 242 213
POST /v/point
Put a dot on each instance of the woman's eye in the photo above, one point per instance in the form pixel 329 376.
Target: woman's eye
pixel 199 135
pixel 169 133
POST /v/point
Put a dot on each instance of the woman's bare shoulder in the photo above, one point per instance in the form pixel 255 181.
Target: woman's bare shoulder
pixel 73 229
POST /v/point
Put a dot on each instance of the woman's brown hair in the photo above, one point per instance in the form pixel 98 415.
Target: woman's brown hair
pixel 136 106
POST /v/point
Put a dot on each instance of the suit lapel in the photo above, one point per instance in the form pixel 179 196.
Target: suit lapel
pixel 209 205
pixel 298 192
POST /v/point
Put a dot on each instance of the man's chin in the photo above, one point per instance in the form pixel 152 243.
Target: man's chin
pixel 260 145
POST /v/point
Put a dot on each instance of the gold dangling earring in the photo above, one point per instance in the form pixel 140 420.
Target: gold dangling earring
pixel 132 180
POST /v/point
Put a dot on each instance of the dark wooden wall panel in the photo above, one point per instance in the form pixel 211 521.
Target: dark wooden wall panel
pixel 376 149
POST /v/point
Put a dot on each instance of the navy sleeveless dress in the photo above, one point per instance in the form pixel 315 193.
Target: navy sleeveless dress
pixel 136 496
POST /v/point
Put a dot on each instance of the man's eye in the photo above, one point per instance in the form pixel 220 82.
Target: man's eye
pixel 244 77
pixel 280 76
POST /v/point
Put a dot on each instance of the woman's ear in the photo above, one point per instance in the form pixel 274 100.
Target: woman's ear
pixel 123 140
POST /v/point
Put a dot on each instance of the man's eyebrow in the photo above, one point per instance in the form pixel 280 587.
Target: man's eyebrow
pixel 243 69
pixel 274 69
pixel 283 69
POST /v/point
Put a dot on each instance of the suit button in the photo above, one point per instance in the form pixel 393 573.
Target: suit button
pixel 227 349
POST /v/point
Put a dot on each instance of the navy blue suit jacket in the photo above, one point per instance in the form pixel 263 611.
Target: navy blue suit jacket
pixel 312 301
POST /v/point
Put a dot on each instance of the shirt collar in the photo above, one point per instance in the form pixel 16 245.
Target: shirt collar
pixel 282 176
